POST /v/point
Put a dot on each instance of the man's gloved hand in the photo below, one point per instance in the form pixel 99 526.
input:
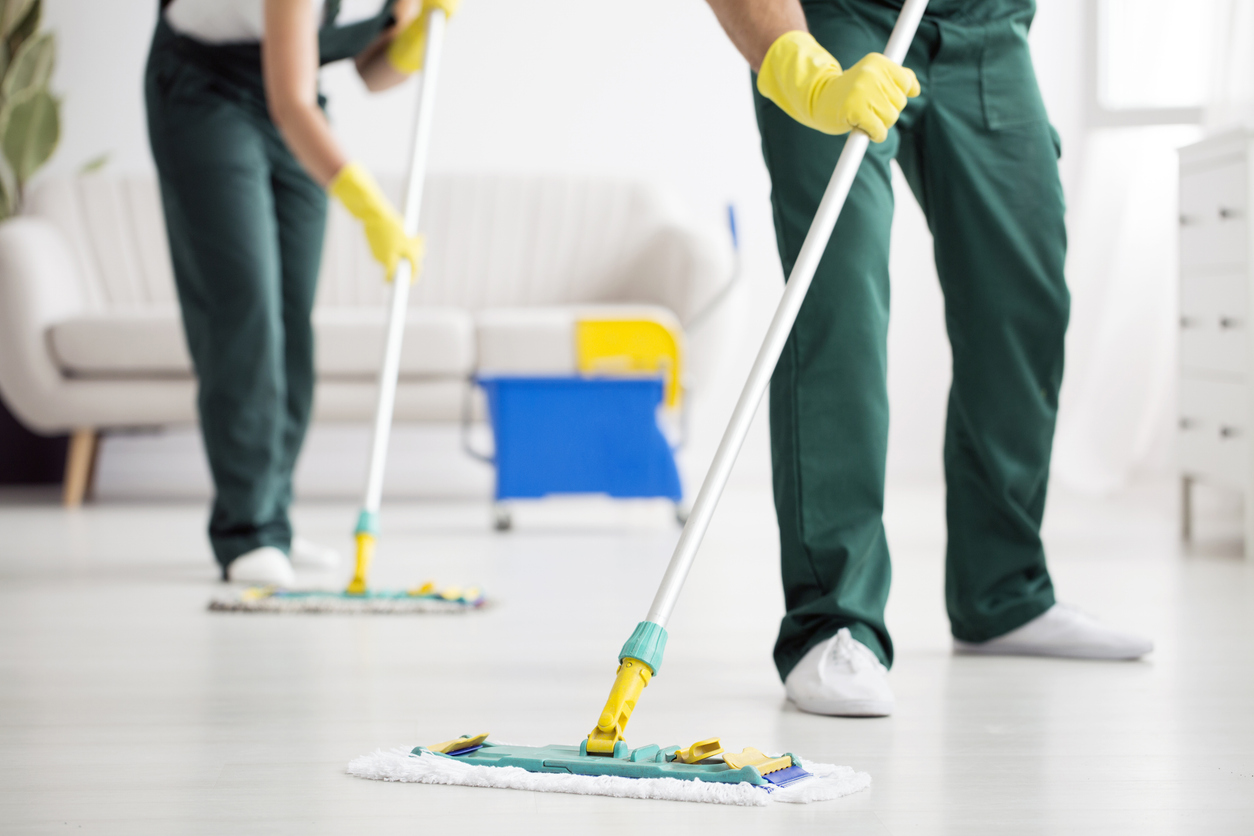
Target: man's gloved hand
pixel 809 85
pixel 406 50
pixel 357 190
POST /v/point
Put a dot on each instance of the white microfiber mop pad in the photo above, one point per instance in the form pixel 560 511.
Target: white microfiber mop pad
pixel 829 782
pixel 336 604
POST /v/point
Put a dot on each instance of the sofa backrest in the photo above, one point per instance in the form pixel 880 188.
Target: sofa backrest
pixel 117 232
pixel 492 240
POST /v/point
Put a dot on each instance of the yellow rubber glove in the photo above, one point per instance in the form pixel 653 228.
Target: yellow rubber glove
pixel 385 230
pixel 407 48
pixel 809 85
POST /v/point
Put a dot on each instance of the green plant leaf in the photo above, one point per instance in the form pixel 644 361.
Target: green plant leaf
pixel 31 125
pixel 8 189
pixel 94 164
pixel 26 26
pixel 31 65
pixel 16 17
pixel 4 57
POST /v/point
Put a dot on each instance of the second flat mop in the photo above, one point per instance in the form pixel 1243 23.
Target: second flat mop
pixel 604 764
pixel 358 597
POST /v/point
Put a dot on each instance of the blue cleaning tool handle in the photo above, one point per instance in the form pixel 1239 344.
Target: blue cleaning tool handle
pixel 731 226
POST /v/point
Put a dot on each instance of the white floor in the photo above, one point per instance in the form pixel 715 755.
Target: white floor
pixel 126 708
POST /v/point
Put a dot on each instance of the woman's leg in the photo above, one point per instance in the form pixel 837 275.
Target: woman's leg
pixel 218 198
pixel 301 210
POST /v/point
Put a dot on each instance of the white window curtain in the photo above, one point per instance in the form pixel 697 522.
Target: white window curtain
pixel 1232 73
pixel 1118 412
pixel 1118 399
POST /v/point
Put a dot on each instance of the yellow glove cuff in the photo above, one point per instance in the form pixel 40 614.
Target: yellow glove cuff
pixel 357 190
pixel 794 71
pixel 409 47
pixel 449 7
pixel 384 228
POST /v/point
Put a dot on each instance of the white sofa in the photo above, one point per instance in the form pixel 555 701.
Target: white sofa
pixel 90 338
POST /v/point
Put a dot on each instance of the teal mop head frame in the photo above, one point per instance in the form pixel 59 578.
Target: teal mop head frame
pixel 652 761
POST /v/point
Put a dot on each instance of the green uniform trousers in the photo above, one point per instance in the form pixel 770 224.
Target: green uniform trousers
pixel 245 226
pixel 982 160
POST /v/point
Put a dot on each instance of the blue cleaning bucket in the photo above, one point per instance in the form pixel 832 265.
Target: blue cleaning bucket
pixel 579 435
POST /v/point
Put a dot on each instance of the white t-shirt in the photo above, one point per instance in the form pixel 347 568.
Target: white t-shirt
pixel 243 21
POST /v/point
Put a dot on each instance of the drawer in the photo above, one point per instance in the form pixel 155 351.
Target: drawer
pixel 1213 244
pixel 1214 351
pixel 1213 221
pixel 1220 403
pixel 1213 442
pixel 1206 191
pixel 1213 458
pixel 1216 295
pixel 1214 324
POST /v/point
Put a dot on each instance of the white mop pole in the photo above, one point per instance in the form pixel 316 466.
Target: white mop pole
pixel 776 337
pixel 367 523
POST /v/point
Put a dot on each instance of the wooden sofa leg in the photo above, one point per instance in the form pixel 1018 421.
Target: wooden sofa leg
pixel 80 466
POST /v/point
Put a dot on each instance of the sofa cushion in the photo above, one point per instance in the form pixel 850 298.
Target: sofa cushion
pixel 137 343
pixel 439 342
pixel 526 341
pixel 544 340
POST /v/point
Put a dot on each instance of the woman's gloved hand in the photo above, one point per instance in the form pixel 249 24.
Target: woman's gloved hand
pixel 809 85
pixel 385 230
pixel 407 49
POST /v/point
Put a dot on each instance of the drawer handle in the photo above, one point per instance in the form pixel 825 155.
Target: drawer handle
pixel 1187 423
pixel 1229 322
pixel 1188 220
pixel 1226 213
pixel 1229 432
pixel 1188 322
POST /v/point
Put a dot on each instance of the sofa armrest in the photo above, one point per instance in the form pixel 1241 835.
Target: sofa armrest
pixel 39 285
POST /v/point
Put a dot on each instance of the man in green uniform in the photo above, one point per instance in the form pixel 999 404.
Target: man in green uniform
pixel 981 158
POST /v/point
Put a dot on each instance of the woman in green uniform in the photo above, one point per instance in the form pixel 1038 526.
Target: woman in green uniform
pixel 982 160
pixel 246 158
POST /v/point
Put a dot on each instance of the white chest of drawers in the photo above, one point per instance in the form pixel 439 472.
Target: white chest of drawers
pixel 1216 353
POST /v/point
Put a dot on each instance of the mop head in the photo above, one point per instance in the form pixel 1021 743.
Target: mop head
pixel 749 779
pixel 424 599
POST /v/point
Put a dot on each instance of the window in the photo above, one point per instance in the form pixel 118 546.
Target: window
pixel 1151 60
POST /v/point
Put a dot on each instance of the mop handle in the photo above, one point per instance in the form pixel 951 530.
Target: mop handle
pixel 776 337
pixel 403 277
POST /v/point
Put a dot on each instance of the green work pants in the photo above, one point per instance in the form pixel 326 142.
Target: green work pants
pixel 245 226
pixel 981 158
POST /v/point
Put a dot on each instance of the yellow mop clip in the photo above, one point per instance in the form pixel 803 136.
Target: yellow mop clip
pixel 700 750
pixel 752 757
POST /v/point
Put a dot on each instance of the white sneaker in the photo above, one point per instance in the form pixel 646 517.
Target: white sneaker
pixel 841 677
pixel 266 566
pixel 1062 631
pixel 309 555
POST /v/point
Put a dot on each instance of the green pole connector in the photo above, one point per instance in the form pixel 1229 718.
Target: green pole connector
pixel 368 523
pixel 647 644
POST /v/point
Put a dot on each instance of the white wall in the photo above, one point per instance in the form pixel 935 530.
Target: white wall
pixel 649 88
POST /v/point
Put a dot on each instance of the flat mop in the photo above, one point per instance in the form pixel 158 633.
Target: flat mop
pixel 358 597
pixel 603 764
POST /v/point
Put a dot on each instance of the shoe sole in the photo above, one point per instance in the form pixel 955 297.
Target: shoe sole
pixel 314 565
pixel 850 708
pixel 1074 652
